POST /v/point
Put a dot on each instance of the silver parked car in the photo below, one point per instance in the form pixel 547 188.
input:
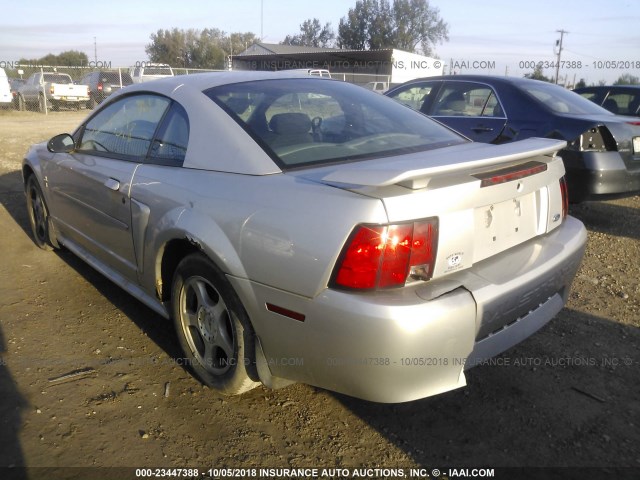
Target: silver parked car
pixel 300 229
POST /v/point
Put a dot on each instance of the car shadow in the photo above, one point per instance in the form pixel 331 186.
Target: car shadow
pixel 12 403
pixel 13 200
pixel 608 217
pixel 11 407
pixel 561 398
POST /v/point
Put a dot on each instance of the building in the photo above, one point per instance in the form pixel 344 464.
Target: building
pixel 356 66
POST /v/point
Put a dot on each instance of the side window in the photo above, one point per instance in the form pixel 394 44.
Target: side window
pixel 415 96
pixel 125 127
pixel 467 100
pixel 170 145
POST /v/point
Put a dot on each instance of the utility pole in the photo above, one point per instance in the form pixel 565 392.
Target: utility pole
pixel 559 45
pixel 95 50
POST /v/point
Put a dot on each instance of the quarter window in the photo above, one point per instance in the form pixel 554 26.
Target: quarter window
pixel 170 145
pixel 125 127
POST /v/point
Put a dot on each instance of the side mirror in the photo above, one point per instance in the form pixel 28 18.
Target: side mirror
pixel 62 143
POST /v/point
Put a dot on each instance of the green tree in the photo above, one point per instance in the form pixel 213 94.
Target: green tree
pixel 193 48
pixel 69 58
pixel 538 75
pixel 581 83
pixel 418 24
pixel 627 79
pixel 411 25
pixel 312 34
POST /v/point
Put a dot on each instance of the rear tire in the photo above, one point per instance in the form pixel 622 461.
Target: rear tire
pixel 38 214
pixel 213 328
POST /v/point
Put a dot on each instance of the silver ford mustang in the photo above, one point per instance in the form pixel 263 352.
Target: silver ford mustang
pixel 300 229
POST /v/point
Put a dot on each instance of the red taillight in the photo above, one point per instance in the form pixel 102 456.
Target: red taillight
pixel 634 123
pixel 383 256
pixel 564 190
pixel 100 86
pixel 397 242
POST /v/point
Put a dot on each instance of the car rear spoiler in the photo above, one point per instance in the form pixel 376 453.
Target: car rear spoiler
pixel 409 170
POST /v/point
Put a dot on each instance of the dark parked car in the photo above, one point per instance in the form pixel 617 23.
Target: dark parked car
pixel 618 99
pixel 602 157
pixel 104 83
pixel 15 84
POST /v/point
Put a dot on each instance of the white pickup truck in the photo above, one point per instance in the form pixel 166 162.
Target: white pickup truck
pixel 57 89
pixel 150 71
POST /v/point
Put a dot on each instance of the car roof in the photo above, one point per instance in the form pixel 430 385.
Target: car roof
pixel 203 81
pixel 607 88
pixel 494 79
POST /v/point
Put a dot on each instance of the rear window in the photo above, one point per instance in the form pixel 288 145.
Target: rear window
pixel 157 70
pixel 114 78
pixel 54 78
pixel 560 100
pixel 307 121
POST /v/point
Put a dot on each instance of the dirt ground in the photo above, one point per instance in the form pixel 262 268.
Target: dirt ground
pixel 568 396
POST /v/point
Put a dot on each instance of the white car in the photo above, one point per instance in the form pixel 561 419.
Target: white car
pixel 6 99
pixel 301 229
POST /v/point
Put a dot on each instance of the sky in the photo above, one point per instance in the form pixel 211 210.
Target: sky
pixel 495 37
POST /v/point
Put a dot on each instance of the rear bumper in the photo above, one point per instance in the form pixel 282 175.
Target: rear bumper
pixel 410 343
pixel 601 175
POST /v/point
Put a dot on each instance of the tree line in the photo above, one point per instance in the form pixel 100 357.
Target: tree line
pixel 411 25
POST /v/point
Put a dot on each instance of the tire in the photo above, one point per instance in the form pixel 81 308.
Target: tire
pixel 38 214
pixel 212 326
pixel 91 104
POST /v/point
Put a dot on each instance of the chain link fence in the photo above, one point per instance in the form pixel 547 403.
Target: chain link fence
pixel 46 87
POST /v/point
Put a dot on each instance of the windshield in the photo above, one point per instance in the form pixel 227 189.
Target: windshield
pixel 561 100
pixel 309 121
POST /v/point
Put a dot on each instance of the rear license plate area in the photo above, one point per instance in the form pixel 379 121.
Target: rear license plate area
pixel 502 225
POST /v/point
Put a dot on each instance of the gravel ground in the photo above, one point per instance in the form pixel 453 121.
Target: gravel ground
pixel 568 396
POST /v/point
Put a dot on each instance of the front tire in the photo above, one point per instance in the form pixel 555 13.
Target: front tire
pixel 213 328
pixel 38 214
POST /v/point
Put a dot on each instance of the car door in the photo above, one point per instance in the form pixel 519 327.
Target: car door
pixel 471 108
pixel 91 185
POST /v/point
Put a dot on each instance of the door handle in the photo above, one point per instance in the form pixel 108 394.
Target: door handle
pixel 112 184
pixel 482 129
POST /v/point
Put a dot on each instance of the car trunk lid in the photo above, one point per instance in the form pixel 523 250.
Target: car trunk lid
pixel 487 198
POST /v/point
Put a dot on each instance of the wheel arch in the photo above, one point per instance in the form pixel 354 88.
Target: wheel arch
pixel 169 257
